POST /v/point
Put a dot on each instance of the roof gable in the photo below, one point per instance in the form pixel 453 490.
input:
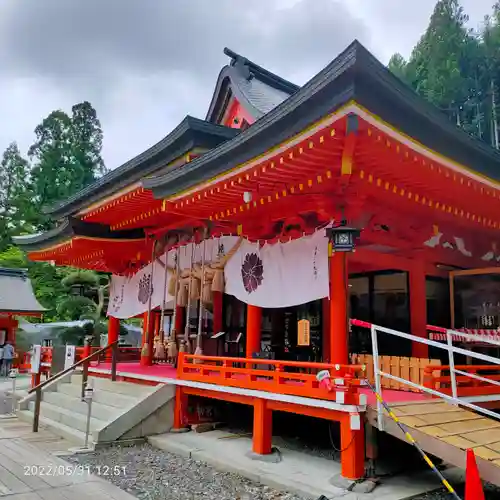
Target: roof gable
pixel 255 88
pixel 16 293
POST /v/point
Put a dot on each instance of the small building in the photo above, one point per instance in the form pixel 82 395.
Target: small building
pixel 16 299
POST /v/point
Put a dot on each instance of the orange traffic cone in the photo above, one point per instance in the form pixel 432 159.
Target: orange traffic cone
pixel 473 484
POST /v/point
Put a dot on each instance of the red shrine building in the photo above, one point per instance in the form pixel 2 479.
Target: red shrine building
pixel 255 193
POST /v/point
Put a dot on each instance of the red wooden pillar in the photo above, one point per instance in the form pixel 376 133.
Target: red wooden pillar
pixel 352 444
pixel 325 324
pixel 180 408
pixel 217 322
pixel 418 308
pixel 262 427
pixel 147 339
pixel 254 322
pixel 339 332
pixel 113 333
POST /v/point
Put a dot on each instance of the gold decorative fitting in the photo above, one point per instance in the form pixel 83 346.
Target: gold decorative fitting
pixel 321 140
pixel 254 203
pixel 284 192
pixel 232 183
pixel 248 206
pixel 319 179
pixel 225 186
pixel 281 160
pixel 370 178
pixel 272 164
pixel 394 189
pixel 387 185
pixel 269 199
pixel 417 197
pixel 292 189
pixel 277 196
pixel 379 138
pixel 262 201
pixel 379 182
pixel 290 155
pixel 332 132
pixel 328 174
pixel 410 195
pixel 309 182
pixel 301 187
pixel 362 174
pixel 301 150
pixel 311 144
pixel 255 173
pixel 388 144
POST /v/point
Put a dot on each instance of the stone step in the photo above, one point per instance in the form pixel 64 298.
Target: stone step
pixel 67 417
pixel 75 404
pixel 100 396
pixel 67 432
pixel 125 388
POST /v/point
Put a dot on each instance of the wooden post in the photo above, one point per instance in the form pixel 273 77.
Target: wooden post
pixel 262 427
pixel 418 308
pixel 352 444
pixel 339 332
pixel 254 323
pixel 325 329
pixel 180 408
pixel 114 361
pixel 113 334
pixel 147 325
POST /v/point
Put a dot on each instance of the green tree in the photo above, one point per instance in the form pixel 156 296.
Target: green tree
pixel 14 201
pixel 66 157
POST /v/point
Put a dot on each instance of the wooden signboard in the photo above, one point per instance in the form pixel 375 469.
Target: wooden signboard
pixel 303 332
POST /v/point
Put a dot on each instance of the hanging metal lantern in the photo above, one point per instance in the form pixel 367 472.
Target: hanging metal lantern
pixel 343 238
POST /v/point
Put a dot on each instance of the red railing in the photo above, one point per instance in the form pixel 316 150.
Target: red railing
pixel 284 377
pixel 439 378
pixel 125 354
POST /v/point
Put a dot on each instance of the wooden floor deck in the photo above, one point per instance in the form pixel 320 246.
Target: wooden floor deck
pixel 447 431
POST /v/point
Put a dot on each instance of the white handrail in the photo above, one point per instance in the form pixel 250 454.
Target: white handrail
pixel 452 350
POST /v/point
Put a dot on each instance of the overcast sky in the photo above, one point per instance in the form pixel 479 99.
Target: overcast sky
pixel 145 64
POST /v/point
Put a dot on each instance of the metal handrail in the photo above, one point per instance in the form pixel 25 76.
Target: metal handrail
pixel 449 347
pixel 85 362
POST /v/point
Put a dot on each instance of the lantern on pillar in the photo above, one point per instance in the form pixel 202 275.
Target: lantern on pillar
pixel 342 237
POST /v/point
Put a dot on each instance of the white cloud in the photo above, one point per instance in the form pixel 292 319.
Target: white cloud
pixel 145 68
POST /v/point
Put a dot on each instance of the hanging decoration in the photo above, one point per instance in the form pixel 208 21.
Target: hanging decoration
pixel 199 351
pixel 279 275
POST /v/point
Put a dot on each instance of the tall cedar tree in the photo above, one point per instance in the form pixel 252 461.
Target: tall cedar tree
pixel 66 157
pixel 456 69
pixel 14 202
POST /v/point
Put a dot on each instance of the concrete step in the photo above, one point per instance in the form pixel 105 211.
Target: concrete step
pixel 121 401
pixel 125 388
pixel 75 404
pixel 67 417
pixel 67 432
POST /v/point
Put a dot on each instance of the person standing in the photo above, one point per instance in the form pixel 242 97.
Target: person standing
pixel 1 359
pixel 8 356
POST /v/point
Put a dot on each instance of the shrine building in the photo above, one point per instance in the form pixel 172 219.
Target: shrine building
pixel 258 231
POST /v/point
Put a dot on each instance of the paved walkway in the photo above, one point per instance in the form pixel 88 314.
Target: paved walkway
pixel 31 470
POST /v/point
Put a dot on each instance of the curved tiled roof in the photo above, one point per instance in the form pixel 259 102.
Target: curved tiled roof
pixel 257 89
pixel 190 133
pixel 16 293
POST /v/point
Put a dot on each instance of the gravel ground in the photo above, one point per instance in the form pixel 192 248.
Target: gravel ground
pixel 152 474
pixel 491 493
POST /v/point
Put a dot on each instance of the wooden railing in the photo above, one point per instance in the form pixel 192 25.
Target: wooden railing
pixel 124 355
pixel 412 369
pixel 84 363
pixel 283 377
pixel 486 383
